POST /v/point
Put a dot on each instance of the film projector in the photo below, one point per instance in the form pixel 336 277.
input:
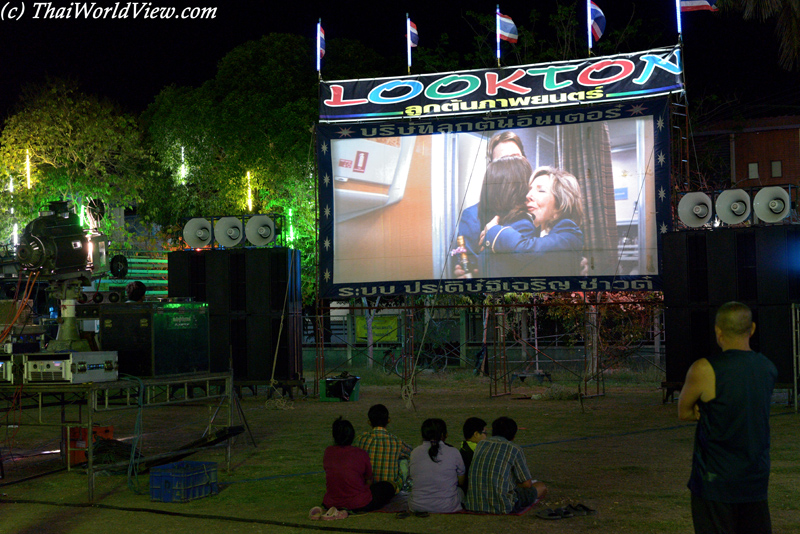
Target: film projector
pixel 55 249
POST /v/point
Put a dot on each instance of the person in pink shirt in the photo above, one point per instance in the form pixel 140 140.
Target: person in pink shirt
pixel 348 474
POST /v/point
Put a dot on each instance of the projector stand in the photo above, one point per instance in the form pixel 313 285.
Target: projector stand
pixel 68 338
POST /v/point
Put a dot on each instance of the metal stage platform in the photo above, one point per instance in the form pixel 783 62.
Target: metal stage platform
pixel 213 389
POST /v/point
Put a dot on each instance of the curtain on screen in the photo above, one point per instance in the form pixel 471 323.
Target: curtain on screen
pixel 585 151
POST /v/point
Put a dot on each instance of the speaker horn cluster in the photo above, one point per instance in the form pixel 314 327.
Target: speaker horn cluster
pixel 228 232
pixel 733 206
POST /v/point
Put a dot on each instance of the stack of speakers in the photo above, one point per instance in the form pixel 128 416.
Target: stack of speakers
pixel 756 265
pixel 157 339
pixel 255 307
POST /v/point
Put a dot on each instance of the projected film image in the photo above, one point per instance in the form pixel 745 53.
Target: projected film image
pixel 553 201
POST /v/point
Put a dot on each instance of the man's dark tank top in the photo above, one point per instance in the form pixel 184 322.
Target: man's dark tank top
pixel 731 446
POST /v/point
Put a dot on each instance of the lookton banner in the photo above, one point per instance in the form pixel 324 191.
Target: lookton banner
pixel 567 83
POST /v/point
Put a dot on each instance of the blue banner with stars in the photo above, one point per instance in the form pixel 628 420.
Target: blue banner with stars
pixel 556 200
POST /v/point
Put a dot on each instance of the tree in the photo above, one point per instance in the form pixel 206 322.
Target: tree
pixel 556 35
pixel 80 148
pixel 441 58
pixel 787 16
pixel 637 34
pixel 193 178
pixel 347 59
pixel 256 116
pixel 613 325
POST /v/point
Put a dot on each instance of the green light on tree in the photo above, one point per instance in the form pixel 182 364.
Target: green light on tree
pixel 182 172
pixel 291 226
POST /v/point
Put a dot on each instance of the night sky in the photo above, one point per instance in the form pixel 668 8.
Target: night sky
pixel 130 61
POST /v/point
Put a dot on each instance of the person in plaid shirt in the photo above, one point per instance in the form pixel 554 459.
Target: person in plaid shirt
pixel 386 451
pixel 499 479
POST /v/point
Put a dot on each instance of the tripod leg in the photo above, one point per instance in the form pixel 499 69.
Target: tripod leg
pixel 244 419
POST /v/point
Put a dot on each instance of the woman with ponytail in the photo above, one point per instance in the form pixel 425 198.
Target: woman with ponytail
pixel 436 470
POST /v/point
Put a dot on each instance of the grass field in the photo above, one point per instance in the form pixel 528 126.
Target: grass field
pixel 623 453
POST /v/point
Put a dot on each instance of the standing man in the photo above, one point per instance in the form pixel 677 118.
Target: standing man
pixel 729 396
pixel 499 479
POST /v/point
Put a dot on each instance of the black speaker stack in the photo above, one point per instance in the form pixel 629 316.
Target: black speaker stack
pixel 756 265
pixel 255 308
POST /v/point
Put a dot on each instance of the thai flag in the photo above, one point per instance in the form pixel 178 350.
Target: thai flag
pixel 321 42
pixel 598 22
pixel 413 35
pixel 506 28
pixel 698 5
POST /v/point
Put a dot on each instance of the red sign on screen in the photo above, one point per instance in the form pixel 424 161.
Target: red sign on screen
pixel 346 163
pixel 361 161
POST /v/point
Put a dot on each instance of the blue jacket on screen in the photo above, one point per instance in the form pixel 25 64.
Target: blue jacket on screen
pixel 520 250
pixel 470 227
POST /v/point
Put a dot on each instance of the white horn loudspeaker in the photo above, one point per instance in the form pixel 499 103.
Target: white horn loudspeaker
pixel 733 206
pixel 694 209
pixel 228 231
pixel 260 230
pixel 197 233
pixel 772 204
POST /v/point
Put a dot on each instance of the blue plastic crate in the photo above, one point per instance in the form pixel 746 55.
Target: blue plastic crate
pixel 183 481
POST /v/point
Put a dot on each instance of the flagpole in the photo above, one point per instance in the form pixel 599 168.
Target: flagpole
pixel 319 49
pixel 497 32
pixel 408 41
pixel 680 42
pixel 589 24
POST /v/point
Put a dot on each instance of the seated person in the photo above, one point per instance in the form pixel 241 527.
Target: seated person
pixel 436 471
pixel 386 451
pixel 500 482
pixel 348 474
pixel 474 432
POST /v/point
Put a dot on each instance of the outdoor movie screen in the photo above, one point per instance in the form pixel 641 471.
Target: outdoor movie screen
pixel 552 200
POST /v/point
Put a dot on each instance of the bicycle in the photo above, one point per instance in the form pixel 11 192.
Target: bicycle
pixel 391 364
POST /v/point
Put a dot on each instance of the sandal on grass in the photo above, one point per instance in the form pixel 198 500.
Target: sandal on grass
pixel 315 513
pixel 333 513
pixel 581 509
pixel 548 514
pixel 558 513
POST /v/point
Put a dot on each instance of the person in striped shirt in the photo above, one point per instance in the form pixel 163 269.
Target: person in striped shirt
pixel 499 479
pixel 387 453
